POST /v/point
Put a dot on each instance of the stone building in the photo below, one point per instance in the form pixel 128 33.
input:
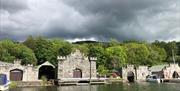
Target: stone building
pixel 130 73
pixel 171 71
pixel 157 70
pixel 166 71
pixel 16 72
pixel 76 65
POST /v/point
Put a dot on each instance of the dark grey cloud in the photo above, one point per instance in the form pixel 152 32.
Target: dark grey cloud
pixel 91 19
pixel 13 6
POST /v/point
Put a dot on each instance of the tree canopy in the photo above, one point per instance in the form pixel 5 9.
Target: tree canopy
pixel 110 55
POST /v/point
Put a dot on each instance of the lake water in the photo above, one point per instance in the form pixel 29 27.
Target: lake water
pixel 112 87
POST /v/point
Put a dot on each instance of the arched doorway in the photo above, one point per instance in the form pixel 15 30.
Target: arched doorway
pixel 175 75
pixel 47 72
pixel 130 76
pixel 77 73
pixel 16 75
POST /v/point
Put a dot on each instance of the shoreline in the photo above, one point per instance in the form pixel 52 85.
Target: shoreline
pixel 19 84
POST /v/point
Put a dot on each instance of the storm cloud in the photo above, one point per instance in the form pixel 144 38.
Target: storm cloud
pixel 91 19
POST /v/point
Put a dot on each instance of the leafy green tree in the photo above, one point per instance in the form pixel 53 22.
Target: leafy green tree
pixel 26 55
pixel 137 53
pixel 11 51
pixel 83 48
pixel 117 56
pixel 66 49
pixel 178 46
pixel 102 70
pixel 97 50
pixel 157 55
pixel 171 47
pixel 6 46
pixel 30 42
pixel 44 51
pixel 57 44
pixel 161 44
pixel 113 42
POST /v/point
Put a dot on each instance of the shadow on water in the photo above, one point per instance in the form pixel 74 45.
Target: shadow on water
pixel 112 87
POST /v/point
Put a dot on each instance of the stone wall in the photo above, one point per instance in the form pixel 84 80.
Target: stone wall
pixel 76 60
pixel 140 72
pixel 125 70
pixel 30 73
pixel 169 71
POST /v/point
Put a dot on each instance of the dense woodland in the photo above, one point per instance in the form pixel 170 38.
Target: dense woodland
pixel 110 55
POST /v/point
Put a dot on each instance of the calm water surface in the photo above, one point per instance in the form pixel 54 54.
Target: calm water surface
pixel 112 87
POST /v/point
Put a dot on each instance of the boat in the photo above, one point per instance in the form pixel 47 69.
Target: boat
pixel 153 78
pixel 4 83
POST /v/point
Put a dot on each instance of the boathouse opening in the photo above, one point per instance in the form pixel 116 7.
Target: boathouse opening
pixel 77 73
pixel 47 72
pixel 16 75
pixel 130 76
pixel 175 75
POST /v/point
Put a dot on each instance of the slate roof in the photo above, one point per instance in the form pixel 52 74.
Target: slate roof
pixel 157 68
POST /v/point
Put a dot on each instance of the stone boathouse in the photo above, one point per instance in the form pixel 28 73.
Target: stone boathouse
pixel 17 72
pixel 130 73
pixel 166 71
pixel 74 66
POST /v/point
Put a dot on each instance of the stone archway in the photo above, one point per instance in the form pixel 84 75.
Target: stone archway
pixel 77 73
pixel 16 75
pixel 175 74
pixel 130 76
pixel 46 70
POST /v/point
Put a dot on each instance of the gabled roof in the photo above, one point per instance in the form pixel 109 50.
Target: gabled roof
pixel 157 68
pixel 47 63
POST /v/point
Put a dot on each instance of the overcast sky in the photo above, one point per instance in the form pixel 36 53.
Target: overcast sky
pixel 91 19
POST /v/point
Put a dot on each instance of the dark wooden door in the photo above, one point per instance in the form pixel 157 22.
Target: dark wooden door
pixel 77 73
pixel 16 75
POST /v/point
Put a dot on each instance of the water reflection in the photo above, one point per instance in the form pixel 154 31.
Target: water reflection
pixel 113 87
pixel 78 88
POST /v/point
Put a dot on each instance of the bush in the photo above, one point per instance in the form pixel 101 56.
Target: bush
pixel 13 85
pixel 44 79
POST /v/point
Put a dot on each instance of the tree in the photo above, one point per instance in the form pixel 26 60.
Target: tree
pixel 117 56
pixel 160 44
pixel 44 51
pixel 11 51
pixel 6 47
pixel 66 49
pixel 102 70
pixel 30 42
pixel 137 53
pixel 157 55
pixel 83 48
pixel 26 55
pixel 113 42
pixel 171 47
